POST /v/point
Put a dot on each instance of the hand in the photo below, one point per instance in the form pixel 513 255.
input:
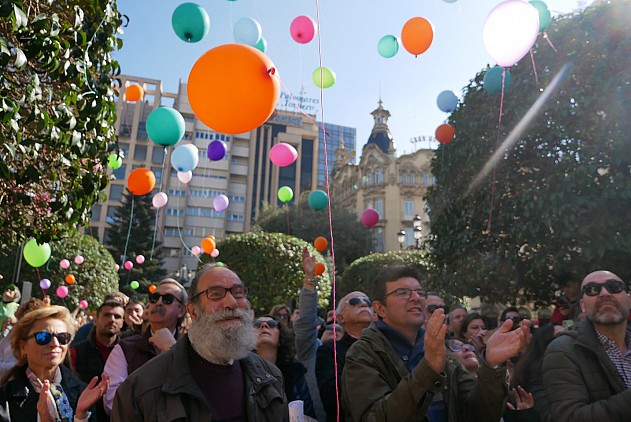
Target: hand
pixel 504 343
pixel 477 340
pixel 135 319
pixel 435 351
pixel 308 263
pixel 163 339
pixel 523 399
pixel 45 404
pixel 91 395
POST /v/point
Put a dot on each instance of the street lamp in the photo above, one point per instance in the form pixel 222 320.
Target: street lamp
pixel 401 238
pixel 418 235
pixel 416 222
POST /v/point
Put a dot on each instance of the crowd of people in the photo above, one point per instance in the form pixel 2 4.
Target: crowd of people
pixel 398 353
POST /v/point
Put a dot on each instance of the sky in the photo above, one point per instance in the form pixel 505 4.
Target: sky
pixel 349 33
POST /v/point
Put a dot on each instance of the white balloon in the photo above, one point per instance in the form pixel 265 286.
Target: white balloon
pixel 247 31
pixel 160 199
pixel 510 30
pixel 185 176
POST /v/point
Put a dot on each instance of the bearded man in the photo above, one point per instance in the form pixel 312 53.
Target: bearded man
pixel 210 373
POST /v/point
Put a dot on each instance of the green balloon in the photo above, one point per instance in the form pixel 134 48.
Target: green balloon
pixel 388 46
pixel 134 284
pixel 190 22
pixel 323 77
pixel 36 255
pixel 318 200
pixel 285 194
pixel 165 126
pixel 261 45
pixel 545 18
pixel 114 161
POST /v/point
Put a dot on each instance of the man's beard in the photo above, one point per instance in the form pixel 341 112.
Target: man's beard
pixel 220 342
pixel 608 317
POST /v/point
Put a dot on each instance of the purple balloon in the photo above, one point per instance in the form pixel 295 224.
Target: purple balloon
pixel 217 150
pixel 370 217
pixel 220 203
pixel 44 283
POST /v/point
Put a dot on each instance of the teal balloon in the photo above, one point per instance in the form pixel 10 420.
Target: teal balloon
pixel 388 46
pixel 165 126
pixel 114 161
pixel 35 254
pixel 285 194
pixel 318 200
pixel 492 81
pixel 190 22
pixel 261 45
pixel 323 77
pixel 134 284
pixel 447 101
pixel 545 17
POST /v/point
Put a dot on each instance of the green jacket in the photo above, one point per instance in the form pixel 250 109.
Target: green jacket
pixel 164 390
pixel 376 386
pixel 582 384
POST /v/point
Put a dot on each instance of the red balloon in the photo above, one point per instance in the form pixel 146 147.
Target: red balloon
pixel 319 268
pixel 445 133
pixel 321 243
pixel 370 217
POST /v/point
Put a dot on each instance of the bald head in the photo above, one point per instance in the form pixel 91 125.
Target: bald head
pixel 599 275
pixel 605 301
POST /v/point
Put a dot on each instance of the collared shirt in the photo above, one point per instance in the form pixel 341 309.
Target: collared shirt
pixel 622 362
pixel 411 354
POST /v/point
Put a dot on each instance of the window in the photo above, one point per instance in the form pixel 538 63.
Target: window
pixel 116 192
pixel 404 177
pixel 119 173
pixel 176 192
pixel 371 178
pixel 235 217
pixel 426 178
pixel 408 207
pixel 157 171
pixel 173 211
pixel 378 176
pixel 111 215
pixel 412 178
pixel 140 152
pixel 96 212
pixel 203 212
pixel 379 207
pixel 157 155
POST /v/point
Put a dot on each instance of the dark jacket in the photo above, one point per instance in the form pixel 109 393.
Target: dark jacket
pixel 137 350
pixel 164 390
pixel 582 384
pixel 18 398
pixel 377 386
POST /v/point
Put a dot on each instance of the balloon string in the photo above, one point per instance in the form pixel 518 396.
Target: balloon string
pixel 177 218
pixel 547 38
pixel 534 67
pixel 287 214
pixel 328 192
pixel 497 145
pixel 155 226
pixel 131 219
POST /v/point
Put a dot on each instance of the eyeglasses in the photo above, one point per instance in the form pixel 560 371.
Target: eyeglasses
pixel 354 301
pixel 515 319
pixel 44 337
pixel 459 347
pixel 405 293
pixel 271 323
pixel 167 298
pixel 338 328
pixel 432 308
pixel 217 292
pixel 613 286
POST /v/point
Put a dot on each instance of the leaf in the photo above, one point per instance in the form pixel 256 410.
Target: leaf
pixel 20 17
pixel 20 58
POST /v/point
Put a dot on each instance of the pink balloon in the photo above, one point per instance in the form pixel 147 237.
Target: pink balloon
pixel 64 264
pixel 302 29
pixel 370 217
pixel 196 250
pixel 62 292
pixel 128 265
pixel 220 203
pixel 215 253
pixel 83 304
pixel 283 154
pixel 185 176
pixel 78 260
pixel 140 259
pixel 118 267
pixel 160 199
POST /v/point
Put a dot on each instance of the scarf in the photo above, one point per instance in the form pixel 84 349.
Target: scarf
pixel 60 405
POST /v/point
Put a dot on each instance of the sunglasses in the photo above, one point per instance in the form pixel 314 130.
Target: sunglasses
pixel 167 299
pixel 613 286
pixel 282 316
pixel 432 308
pixel 44 337
pixel 272 323
pixel 354 301
pixel 459 347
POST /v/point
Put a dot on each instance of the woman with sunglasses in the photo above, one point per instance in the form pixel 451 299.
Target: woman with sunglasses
pixel 276 344
pixel 40 387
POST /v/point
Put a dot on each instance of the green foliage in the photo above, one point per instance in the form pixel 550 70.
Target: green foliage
pixel 270 265
pixel 57 113
pixel 349 235
pixel 562 193
pixel 138 241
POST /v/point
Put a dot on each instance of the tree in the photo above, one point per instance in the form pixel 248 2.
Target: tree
pixel 307 224
pixel 270 265
pixel 127 242
pixel 57 114
pixel 562 193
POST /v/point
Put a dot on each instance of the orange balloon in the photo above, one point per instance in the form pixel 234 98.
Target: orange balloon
pixel 141 181
pixel 208 245
pixel 233 88
pixel 319 268
pixel 417 35
pixel 445 133
pixel 70 279
pixel 134 93
pixel 152 288
pixel 321 244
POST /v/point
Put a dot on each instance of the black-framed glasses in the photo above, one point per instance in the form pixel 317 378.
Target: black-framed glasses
pixel 459 347
pixel 271 323
pixel 405 293
pixel 237 291
pixel 613 286
pixel 44 337
pixel 432 308
pixel 167 298
pixel 354 301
